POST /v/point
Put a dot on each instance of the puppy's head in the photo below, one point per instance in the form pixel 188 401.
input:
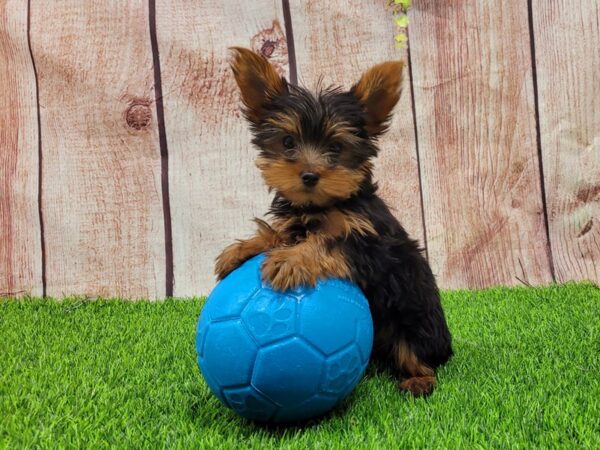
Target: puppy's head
pixel 315 148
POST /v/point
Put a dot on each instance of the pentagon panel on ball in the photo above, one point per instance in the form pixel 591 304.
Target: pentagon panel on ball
pixel 283 356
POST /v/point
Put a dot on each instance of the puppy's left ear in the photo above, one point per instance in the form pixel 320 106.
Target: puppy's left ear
pixel 378 91
pixel 257 79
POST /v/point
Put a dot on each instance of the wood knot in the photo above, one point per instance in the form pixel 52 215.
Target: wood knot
pixel 268 48
pixel 586 228
pixel 271 43
pixel 139 115
pixel 588 193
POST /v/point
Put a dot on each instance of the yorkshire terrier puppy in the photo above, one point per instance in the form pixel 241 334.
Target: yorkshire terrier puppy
pixel 315 152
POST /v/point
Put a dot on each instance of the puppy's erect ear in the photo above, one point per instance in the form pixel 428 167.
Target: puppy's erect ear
pixel 378 91
pixel 257 79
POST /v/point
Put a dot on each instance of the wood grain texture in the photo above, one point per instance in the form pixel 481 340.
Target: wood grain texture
pixel 567 40
pixel 339 40
pixel 101 190
pixel 475 115
pixel 215 188
pixel 20 236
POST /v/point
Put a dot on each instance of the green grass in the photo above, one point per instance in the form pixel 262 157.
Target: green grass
pixel 119 374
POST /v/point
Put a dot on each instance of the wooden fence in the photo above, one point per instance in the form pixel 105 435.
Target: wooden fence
pixel 125 165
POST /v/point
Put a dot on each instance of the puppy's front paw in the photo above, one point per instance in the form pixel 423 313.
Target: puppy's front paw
pixel 229 260
pixel 285 269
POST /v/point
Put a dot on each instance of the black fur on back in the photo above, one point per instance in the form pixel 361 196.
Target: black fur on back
pixel 394 275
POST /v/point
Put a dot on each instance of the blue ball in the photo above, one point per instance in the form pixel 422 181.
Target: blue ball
pixel 283 356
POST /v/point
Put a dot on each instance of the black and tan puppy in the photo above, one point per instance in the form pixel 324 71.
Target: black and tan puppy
pixel 315 153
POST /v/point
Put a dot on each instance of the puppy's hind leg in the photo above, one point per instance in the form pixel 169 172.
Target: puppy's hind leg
pixel 417 377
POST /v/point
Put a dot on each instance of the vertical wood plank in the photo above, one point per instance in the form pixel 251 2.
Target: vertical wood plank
pixel 567 43
pixel 101 194
pixel 20 236
pixel 476 127
pixel 339 40
pixel 215 188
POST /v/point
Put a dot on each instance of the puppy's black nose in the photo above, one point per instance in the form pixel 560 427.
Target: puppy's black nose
pixel 309 178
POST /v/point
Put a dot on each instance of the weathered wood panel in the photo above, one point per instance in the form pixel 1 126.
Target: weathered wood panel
pixel 567 40
pixel 97 165
pixel 476 127
pixel 215 188
pixel 338 41
pixel 20 237
pixel 101 192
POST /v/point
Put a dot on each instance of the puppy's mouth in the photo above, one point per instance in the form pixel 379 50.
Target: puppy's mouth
pixel 333 184
pixel 303 195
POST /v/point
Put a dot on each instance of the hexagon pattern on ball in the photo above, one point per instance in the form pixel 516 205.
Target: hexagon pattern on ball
pixel 230 343
pixel 342 371
pixel 247 401
pixel 233 294
pixel 275 372
pixel 340 333
pixel 282 356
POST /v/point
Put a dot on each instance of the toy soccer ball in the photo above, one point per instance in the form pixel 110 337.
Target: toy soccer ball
pixel 283 356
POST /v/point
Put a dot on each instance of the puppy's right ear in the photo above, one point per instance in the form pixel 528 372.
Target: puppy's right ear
pixel 258 81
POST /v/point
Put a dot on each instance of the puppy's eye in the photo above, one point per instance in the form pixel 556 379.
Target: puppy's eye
pixel 335 147
pixel 288 142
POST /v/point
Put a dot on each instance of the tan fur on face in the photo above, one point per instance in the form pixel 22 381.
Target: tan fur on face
pixel 309 159
pixel 379 90
pixel 335 183
pixel 257 79
pixel 286 121
pixel 338 183
pixel 340 130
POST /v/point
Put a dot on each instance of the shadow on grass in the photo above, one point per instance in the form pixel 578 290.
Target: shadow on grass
pixel 204 400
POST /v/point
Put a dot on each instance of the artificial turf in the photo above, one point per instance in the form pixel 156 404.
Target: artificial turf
pixel 110 373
